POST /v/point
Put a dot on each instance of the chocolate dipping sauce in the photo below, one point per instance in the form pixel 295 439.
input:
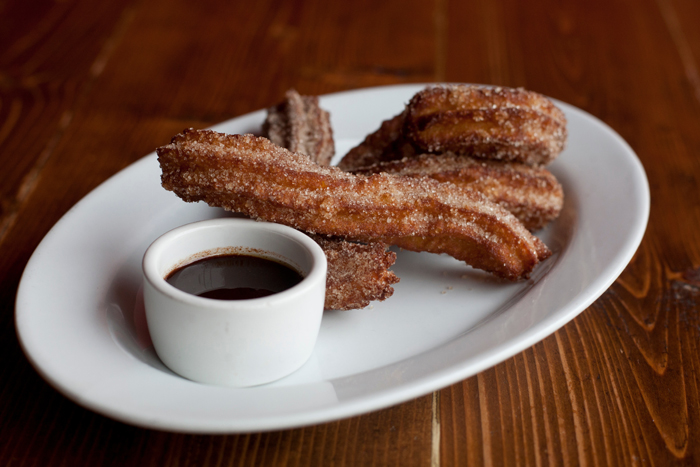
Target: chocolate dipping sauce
pixel 234 277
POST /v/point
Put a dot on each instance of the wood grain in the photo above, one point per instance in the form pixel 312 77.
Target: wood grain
pixel 202 65
pixel 44 70
pixel 73 436
pixel 617 386
pixel 601 391
pixel 86 88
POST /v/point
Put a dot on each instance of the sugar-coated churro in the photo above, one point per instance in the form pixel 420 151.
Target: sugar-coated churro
pixel 488 122
pixel 532 194
pixel 249 174
pixel 301 125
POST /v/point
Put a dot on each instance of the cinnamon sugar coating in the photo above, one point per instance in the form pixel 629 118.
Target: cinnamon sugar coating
pixel 385 144
pixel 249 174
pixel 301 125
pixel 532 194
pixel 493 123
pixel 357 273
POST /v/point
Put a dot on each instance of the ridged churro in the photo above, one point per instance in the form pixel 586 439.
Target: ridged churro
pixel 301 125
pixel 494 123
pixel 532 194
pixel 249 174
pixel 385 144
pixel 358 273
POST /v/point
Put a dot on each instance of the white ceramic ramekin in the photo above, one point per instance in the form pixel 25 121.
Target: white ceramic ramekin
pixel 234 342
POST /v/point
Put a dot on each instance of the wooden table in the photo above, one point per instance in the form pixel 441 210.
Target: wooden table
pixel 87 88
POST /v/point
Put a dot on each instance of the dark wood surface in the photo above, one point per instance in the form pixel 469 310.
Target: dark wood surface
pixel 87 88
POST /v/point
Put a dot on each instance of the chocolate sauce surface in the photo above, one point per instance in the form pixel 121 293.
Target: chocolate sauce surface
pixel 234 277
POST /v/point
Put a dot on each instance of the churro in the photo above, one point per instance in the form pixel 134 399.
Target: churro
pixel 301 125
pixel 532 194
pixel 251 175
pixel 493 123
pixel 357 273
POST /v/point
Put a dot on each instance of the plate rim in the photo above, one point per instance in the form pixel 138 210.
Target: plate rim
pixel 381 398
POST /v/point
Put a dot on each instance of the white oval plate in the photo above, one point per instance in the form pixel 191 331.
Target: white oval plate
pixel 79 314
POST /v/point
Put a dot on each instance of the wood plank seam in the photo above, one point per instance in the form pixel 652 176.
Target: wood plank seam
pixel 435 435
